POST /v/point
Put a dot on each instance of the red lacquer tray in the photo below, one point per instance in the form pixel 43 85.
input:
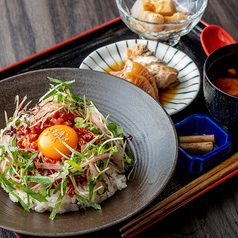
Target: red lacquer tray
pixel 73 51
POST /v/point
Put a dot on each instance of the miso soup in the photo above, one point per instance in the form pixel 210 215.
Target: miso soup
pixel 227 80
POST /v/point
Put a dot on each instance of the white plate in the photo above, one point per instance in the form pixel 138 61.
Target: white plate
pixel 105 58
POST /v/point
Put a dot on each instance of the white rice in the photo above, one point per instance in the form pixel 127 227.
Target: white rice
pixel 115 182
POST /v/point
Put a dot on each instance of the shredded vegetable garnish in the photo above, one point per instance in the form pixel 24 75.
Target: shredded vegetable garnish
pixel 37 169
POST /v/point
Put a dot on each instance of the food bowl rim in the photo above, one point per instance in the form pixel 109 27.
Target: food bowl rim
pixel 205 76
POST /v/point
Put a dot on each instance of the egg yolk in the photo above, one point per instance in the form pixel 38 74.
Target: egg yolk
pixel 48 142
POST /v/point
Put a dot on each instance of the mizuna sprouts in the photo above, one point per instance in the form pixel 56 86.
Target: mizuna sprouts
pixel 83 173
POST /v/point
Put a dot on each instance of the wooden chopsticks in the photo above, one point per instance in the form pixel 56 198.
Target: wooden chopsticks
pixel 210 177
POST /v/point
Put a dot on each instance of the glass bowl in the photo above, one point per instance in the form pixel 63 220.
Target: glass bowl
pixel 188 14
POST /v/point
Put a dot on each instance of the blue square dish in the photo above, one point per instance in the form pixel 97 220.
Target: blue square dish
pixel 198 124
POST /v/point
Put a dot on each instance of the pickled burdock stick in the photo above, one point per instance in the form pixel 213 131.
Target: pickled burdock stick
pixel 197 147
pixel 197 138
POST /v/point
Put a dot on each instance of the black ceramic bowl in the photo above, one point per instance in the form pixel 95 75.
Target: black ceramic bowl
pixel 153 146
pixel 222 106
